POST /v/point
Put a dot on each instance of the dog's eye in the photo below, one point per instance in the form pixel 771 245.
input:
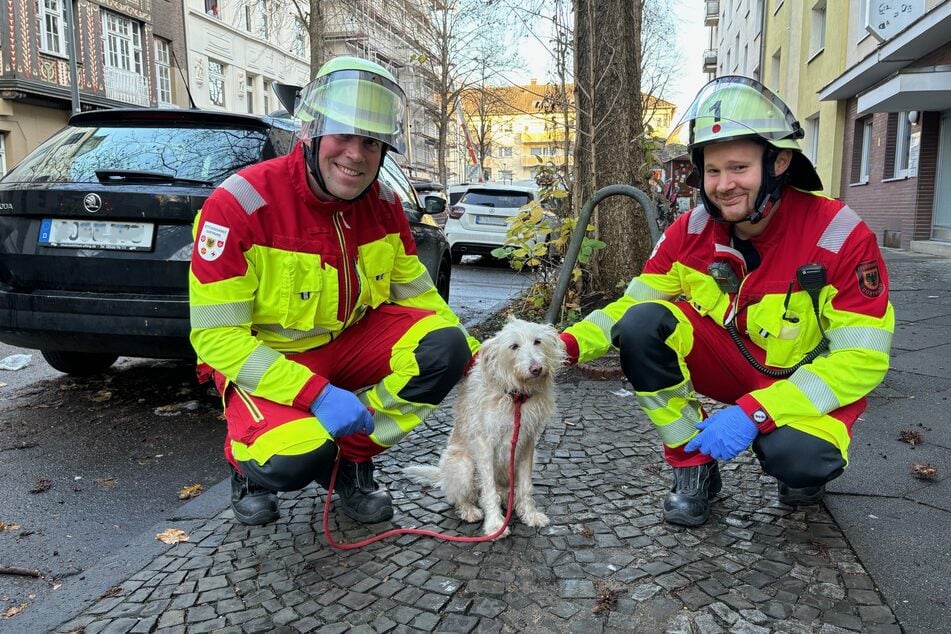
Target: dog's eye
pixel 514 346
pixel 538 342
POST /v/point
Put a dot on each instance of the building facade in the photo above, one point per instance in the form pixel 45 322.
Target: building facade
pixel 124 58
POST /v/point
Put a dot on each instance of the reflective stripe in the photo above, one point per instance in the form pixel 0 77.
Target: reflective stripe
pixel 641 291
pixel 815 390
pixel 722 248
pixel 257 363
pixel 290 439
pixel 387 193
pixel 698 220
pixel 248 197
pixel 416 287
pixel 291 333
pixel 863 337
pixel 839 229
pixel 663 397
pixel 680 430
pixel 602 320
pixel 220 315
pixel 386 430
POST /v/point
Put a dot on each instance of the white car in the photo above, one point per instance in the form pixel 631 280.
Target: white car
pixel 476 223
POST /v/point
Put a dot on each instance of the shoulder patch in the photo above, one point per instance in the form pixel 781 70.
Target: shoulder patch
pixel 870 282
pixel 211 241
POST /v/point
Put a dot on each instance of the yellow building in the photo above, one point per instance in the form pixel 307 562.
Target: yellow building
pixel 516 130
pixel 805 49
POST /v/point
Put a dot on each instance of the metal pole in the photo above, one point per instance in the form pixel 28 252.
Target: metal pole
pixel 71 52
pixel 574 247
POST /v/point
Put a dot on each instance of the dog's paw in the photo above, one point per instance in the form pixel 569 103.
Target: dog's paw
pixel 535 519
pixel 490 528
pixel 469 513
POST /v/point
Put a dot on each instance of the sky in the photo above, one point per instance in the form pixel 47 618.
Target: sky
pixel 691 42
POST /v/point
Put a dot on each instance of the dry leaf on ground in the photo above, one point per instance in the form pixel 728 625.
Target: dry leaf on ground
pixel 107 483
pixel 12 612
pixel 910 436
pixel 172 536
pixel 186 493
pixel 4 526
pixel 924 471
pixel 42 486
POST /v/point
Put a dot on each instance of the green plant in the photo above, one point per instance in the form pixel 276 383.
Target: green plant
pixel 538 237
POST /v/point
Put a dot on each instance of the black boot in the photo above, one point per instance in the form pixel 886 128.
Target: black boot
pixel 688 502
pixel 802 496
pixel 361 498
pixel 252 504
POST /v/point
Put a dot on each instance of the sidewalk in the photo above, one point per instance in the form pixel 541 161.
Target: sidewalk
pixel 876 558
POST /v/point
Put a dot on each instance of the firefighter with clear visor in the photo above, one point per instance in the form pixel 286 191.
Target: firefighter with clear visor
pixel 310 310
pixel 766 297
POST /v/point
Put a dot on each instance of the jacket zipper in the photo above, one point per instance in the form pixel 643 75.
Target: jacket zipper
pixel 344 313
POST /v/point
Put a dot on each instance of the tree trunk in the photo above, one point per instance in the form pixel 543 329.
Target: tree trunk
pixel 316 27
pixel 609 145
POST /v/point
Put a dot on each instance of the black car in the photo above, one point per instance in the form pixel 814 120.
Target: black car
pixel 96 229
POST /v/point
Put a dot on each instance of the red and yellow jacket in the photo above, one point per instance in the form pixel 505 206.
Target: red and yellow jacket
pixel 853 305
pixel 275 270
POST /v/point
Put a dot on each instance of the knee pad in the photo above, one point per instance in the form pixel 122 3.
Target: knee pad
pixel 798 459
pixel 293 472
pixel 640 336
pixel 441 356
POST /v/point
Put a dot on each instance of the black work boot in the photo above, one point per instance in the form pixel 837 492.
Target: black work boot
pixel 801 496
pixel 688 502
pixel 361 498
pixel 252 504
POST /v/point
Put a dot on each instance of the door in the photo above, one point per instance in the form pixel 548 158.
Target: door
pixel 941 226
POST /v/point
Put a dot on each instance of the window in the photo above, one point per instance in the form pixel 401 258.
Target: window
pixel 123 42
pixel 267 97
pixel 897 145
pixel 3 154
pixel 51 26
pixel 211 8
pixel 505 152
pixel 299 40
pixel 861 150
pixel 163 73
pixel 817 32
pixel 736 47
pixel 260 19
pixel 775 66
pixel 746 56
pixel 216 82
pixel 249 93
pixel 812 138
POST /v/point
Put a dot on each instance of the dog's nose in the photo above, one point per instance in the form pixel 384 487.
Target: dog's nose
pixel 536 369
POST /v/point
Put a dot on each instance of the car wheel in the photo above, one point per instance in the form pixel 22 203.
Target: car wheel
pixel 442 279
pixel 456 256
pixel 79 363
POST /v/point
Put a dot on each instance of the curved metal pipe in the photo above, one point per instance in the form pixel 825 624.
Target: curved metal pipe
pixel 574 247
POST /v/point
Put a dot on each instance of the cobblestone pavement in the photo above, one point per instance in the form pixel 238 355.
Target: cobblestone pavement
pixel 607 563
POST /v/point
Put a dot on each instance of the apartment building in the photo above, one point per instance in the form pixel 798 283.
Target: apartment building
pixel 524 129
pixel 735 37
pixel 126 53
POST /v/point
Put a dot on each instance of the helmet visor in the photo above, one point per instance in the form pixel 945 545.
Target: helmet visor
pixel 734 107
pixel 354 102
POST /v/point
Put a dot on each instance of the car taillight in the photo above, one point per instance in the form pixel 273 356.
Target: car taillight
pixel 455 212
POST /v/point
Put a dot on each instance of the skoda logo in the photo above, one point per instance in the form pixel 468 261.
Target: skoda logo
pixel 92 203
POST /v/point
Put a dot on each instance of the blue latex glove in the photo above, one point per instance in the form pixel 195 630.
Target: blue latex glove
pixel 725 434
pixel 341 413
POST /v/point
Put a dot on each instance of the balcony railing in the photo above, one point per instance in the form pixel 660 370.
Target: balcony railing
pixel 124 85
pixel 712 17
pixel 710 60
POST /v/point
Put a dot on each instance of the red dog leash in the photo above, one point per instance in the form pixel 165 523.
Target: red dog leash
pixel 518 398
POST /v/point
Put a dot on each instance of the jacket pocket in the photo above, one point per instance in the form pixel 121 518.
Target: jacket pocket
pixel 376 264
pixel 783 331
pixel 308 292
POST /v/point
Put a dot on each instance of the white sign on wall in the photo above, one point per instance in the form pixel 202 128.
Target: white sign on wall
pixel 887 18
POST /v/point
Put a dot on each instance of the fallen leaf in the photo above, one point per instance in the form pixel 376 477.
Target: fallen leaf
pixel 172 536
pixel 3 384
pixel 910 436
pixel 8 527
pixel 12 612
pixel 100 397
pixel 186 493
pixel 924 471
pixel 42 486
pixel 106 483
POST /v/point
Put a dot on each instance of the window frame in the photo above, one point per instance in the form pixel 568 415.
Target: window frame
pixel 127 55
pixel 217 78
pixel 46 17
pixel 163 72
pixel 817 39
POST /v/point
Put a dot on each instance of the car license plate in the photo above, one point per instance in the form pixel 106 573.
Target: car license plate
pixel 96 234
pixel 490 220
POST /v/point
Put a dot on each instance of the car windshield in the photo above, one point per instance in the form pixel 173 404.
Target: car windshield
pixel 496 198
pixel 198 154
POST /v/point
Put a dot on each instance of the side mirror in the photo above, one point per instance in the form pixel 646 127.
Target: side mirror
pixel 287 94
pixel 435 205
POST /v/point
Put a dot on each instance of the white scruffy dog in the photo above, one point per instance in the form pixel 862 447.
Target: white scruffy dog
pixel 520 361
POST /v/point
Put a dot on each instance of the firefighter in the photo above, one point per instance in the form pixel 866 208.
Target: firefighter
pixel 310 310
pixel 765 297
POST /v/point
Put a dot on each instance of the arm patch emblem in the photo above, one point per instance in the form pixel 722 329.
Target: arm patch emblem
pixel 870 282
